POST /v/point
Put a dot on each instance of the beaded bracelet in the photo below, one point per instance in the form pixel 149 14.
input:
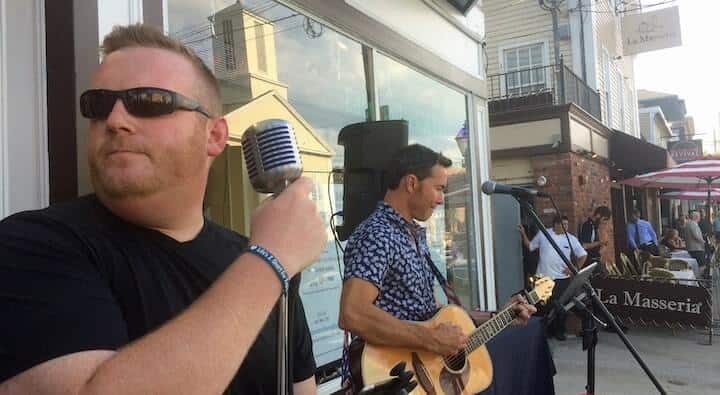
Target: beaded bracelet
pixel 274 263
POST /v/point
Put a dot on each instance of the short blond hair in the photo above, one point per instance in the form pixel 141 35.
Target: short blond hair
pixel 147 36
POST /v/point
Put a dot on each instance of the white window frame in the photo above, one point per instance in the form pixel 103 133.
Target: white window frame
pixel 544 47
pixel 24 173
pixel 4 173
pixel 621 93
pixel 607 86
pixel 482 204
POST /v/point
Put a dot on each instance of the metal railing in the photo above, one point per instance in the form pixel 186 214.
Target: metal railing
pixel 541 86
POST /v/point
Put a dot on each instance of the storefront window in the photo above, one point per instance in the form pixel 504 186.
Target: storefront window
pixel 316 78
pixel 272 61
pixel 116 12
pixel 437 117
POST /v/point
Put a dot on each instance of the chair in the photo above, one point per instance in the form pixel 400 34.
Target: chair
pixel 642 257
pixel 615 269
pixel 646 268
pixel 612 269
pixel 656 261
pixel 630 269
pixel 624 265
pixel 638 258
pixel 661 273
pixel 678 264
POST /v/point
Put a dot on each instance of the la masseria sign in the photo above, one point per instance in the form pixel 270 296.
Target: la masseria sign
pixel 655 301
pixel 649 31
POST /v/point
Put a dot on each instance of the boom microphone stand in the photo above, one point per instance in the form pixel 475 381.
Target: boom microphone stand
pixel 589 319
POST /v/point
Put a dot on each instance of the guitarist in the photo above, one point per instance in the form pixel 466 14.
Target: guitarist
pixel 387 280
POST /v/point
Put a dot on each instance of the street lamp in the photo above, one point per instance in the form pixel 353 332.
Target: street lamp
pixel 463 141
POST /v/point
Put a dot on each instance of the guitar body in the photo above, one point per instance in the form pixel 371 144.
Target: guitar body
pixel 468 375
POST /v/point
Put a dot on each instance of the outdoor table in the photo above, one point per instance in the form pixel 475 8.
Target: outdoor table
pixel 685 256
pixel 680 254
pixel 685 275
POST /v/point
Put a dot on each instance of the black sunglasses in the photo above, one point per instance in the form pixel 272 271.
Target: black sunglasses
pixel 141 102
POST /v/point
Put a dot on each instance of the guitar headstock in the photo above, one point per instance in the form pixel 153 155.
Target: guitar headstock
pixel 542 289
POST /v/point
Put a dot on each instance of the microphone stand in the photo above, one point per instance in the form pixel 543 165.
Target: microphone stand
pixel 282 330
pixel 282 344
pixel 591 341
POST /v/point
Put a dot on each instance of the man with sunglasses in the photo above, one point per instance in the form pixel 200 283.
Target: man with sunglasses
pixel 132 290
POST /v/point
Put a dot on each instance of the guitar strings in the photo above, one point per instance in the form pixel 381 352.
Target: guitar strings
pixel 475 342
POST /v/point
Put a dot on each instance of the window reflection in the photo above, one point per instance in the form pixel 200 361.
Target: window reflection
pixel 438 119
pixel 265 56
pixel 284 64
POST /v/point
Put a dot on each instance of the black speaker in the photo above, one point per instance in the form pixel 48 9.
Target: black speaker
pixel 368 148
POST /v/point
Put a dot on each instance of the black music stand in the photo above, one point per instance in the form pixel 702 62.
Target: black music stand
pixel 594 301
pixel 575 298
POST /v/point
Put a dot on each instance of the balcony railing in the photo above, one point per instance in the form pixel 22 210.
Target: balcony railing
pixel 541 86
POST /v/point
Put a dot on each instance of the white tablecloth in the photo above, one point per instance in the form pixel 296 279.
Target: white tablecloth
pixel 680 254
pixel 685 275
pixel 685 256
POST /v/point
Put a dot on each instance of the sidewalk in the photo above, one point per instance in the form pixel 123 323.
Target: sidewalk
pixel 680 362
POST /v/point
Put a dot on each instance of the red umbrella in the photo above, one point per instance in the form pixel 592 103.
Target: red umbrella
pixel 700 175
pixel 692 195
pixel 697 175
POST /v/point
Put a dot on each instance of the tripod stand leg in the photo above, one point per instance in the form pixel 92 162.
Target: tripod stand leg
pixel 590 336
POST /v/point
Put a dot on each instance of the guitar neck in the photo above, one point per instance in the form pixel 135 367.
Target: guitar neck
pixel 493 326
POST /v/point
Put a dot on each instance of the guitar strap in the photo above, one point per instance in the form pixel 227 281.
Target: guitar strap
pixel 446 286
pixel 347 383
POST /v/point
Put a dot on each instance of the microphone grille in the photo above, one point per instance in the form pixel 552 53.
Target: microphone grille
pixel 488 187
pixel 271 155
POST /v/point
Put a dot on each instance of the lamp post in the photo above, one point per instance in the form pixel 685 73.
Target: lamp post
pixel 463 141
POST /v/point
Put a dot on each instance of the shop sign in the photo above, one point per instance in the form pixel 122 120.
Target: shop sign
pixel 685 151
pixel 655 301
pixel 649 31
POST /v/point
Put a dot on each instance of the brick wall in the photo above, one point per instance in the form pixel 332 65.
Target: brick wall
pixel 578 185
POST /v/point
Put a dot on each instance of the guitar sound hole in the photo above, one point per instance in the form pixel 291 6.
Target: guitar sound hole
pixel 456 362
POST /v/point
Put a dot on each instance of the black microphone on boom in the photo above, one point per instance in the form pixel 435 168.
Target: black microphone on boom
pixel 491 187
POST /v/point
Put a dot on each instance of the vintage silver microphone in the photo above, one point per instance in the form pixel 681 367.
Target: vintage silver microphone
pixel 271 155
pixel 273 162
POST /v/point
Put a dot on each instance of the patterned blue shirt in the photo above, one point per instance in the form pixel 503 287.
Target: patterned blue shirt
pixel 383 251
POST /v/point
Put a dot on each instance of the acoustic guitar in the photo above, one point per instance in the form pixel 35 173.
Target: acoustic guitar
pixel 468 372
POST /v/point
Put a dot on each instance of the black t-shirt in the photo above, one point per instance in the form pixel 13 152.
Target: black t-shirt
pixel 588 234
pixel 74 277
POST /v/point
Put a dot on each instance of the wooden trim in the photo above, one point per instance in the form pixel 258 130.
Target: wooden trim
pixel 61 100
pixel 590 120
pixel 536 150
pixel 527 115
pixel 358 25
pixel 566 144
pixel 533 115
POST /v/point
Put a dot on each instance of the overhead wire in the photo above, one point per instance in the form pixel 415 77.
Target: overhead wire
pixel 617 11
pixel 244 28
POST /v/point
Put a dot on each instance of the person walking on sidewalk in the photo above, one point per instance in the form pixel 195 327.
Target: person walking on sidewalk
pixel 551 265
